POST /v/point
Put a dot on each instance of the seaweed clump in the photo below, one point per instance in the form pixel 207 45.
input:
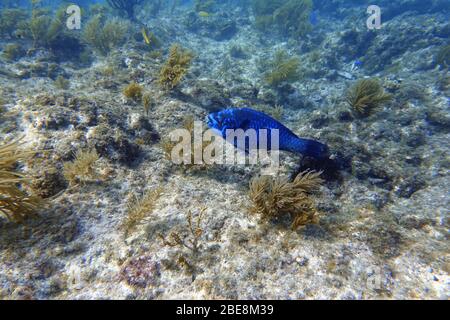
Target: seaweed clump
pixel 13 51
pixel 13 22
pixel 82 169
pixel 176 67
pixel 204 5
pixel 126 6
pixel 274 197
pixel 140 208
pixel 44 30
pixel 366 96
pixel 105 36
pixel 15 203
pixel 288 17
pixel 282 68
pixel 133 91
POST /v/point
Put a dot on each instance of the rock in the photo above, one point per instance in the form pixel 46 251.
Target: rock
pixel 210 95
pixel 49 183
pixel 141 272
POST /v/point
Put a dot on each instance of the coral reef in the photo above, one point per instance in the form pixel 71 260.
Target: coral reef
pixel 275 197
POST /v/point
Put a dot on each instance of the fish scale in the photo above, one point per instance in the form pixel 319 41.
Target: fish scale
pixel 246 118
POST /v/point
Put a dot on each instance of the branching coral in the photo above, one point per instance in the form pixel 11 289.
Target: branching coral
pixel 15 203
pixel 126 6
pixel 140 208
pixel 274 197
pixel 83 168
pixel 175 68
pixel 282 68
pixel 190 238
pixel 366 96
pixel 104 36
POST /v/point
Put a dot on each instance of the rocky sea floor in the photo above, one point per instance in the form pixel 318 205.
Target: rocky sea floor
pixel 383 229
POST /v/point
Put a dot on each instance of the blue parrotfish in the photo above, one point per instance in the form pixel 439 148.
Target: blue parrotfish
pixel 246 118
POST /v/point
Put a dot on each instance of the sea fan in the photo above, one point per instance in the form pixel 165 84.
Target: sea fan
pixel 15 203
pixel 273 197
pixel 366 96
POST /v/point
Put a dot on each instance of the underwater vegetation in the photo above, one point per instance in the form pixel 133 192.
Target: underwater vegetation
pixel 12 21
pixel 147 102
pixel 104 36
pixel 176 67
pixel 273 197
pixel 366 96
pixel 45 29
pixel 275 112
pixel 62 83
pixel 140 208
pixel 133 91
pixel 126 6
pixel 83 168
pixel 204 5
pixel 282 68
pixel 13 51
pixel 443 57
pixel 15 203
pixel 188 237
pixel 289 17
